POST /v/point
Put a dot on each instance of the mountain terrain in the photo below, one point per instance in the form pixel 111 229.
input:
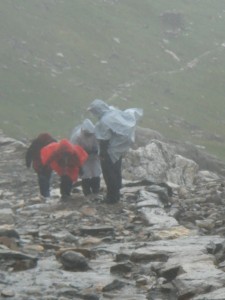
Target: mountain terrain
pixel 167 57
pixel 163 240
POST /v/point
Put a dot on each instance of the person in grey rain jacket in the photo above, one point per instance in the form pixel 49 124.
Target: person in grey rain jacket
pixel 115 131
pixel 84 136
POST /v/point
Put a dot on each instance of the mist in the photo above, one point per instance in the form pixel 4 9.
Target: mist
pixel 166 57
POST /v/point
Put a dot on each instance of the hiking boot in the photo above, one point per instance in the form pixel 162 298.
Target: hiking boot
pixel 88 197
pixel 97 197
pixel 110 200
pixel 65 198
pixel 44 198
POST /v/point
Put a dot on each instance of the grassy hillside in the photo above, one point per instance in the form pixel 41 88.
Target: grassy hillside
pixel 168 57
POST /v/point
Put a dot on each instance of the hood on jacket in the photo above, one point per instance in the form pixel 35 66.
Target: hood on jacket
pixel 44 139
pixel 65 146
pixel 98 108
pixel 88 126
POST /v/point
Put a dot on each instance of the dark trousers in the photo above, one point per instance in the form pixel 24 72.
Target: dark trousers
pixel 91 185
pixel 112 176
pixel 44 177
pixel 65 185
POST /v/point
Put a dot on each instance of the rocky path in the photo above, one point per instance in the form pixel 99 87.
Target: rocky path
pixel 151 245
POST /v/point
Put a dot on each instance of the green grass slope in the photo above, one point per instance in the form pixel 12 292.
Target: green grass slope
pixel 167 57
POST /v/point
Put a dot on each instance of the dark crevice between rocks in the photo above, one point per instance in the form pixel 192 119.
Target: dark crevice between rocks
pixel 161 257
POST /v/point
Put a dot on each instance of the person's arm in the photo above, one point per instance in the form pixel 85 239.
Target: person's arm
pixel 31 153
pixel 29 157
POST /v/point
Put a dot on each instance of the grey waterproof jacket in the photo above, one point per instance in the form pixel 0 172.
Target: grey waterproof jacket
pixel 84 136
pixel 116 126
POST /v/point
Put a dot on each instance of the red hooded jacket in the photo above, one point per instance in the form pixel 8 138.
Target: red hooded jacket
pixel 64 158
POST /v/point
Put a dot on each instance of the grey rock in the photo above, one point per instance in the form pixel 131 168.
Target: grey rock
pixel 115 285
pixel 157 217
pixel 96 230
pixel 140 244
pixel 214 295
pixel 122 268
pixel 6 216
pixel 74 261
pixel 11 233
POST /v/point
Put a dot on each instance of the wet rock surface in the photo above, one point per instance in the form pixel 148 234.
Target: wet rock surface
pixel 153 244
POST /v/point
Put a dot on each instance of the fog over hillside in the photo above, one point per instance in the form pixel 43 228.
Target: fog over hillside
pixel 167 57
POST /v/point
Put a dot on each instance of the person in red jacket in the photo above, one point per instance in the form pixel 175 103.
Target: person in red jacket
pixel 32 158
pixel 66 160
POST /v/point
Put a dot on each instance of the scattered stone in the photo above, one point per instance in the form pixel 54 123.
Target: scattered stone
pixel 160 251
pixel 6 216
pixel 115 285
pixel 96 230
pixel 122 268
pixel 85 252
pixel 7 293
pixel 10 233
pixel 74 261
pixel 9 242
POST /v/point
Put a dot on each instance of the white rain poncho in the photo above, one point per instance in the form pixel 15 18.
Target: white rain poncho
pixel 116 126
pixel 84 136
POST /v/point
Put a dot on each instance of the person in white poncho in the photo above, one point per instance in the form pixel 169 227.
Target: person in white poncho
pixel 84 136
pixel 115 131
